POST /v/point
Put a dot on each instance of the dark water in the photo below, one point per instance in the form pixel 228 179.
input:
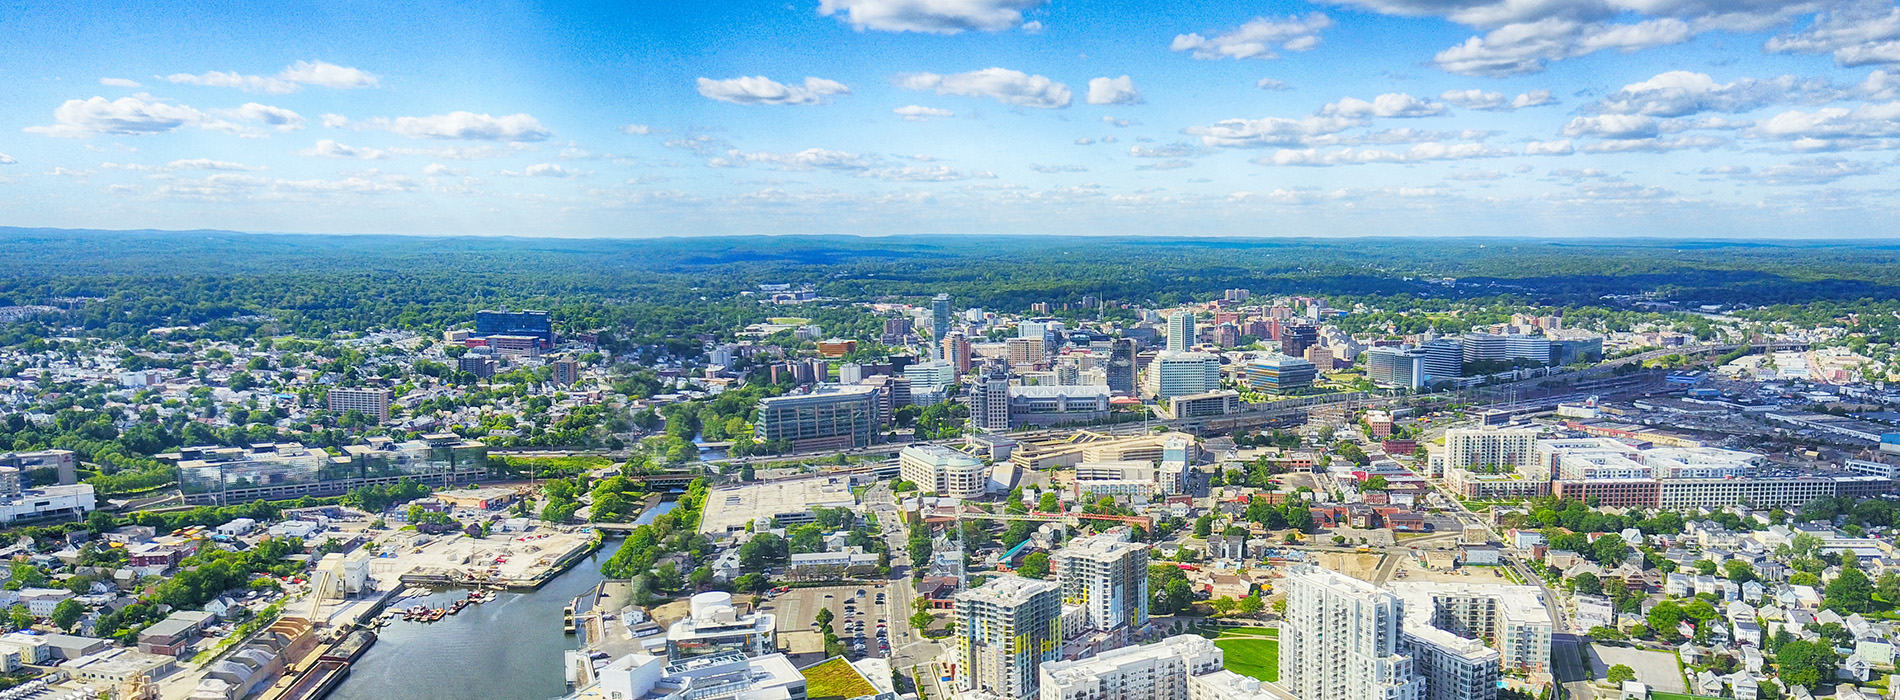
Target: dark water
pixel 507 649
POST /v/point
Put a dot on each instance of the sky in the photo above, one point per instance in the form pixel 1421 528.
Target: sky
pixel 1669 118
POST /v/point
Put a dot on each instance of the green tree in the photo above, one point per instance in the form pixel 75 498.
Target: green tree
pixel 1888 587
pixel 1620 673
pixel 921 620
pixel 19 617
pixel 1587 583
pixel 1849 592
pixel 1805 663
pixel 1664 617
pixel 1036 565
pixel 1610 550
pixel 67 613
pixel 824 617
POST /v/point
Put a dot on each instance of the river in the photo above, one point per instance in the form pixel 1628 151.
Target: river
pixel 507 649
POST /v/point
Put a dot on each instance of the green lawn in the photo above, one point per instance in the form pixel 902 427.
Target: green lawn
pixel 1250 632
pixel 1254 657
pixel 835 679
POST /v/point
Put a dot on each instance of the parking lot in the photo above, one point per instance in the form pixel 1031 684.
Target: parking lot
pixel 1658 670
pixel 854 617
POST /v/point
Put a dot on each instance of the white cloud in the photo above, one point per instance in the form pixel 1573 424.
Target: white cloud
pixel 1526 47
pixel 126 116
pixel 1058 168
pixel 1085 141
pixel 1880 85
pixel 920 113
pixel 1113 91
pixel 1003 85
pixel 1560 147
pixel 1392 104
pixel 1856 35
pixel 925 173
pixel 1613 126
pixel 932 16
pixel 1271 131
pixel 1682 93
pixel 277 118
pixel 7 159
pixel 1819 170
pixel 462 125
pixel 1118 123
pixel 760 90
pixel 463 152
pixel 1257 38
pixel 1271 84
pixel 327 148
pixel 288 80
pixel 1172 150
pixel 208 164
pixel 119 82
pixel 808 159
pixel 438 169
pixel 639 130
pixel 1496 101
pixel 335 121
pixel 1834 128
pixel 545 170
pixel 1166 165
pixel 1348 156
pixel 1655 145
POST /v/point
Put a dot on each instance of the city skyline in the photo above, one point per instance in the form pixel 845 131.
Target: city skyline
pixel 870 117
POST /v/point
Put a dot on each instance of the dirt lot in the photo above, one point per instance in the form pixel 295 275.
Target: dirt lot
pixel 1359 566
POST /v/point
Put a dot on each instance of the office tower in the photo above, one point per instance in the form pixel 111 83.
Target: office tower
pixel 989 400
pixel 1295 338
pixel 1158 671
pixel 533 323
pixel 1181 331
pixel 1121 367
pixel 1321 357
pixel 1484 347
pixel 1535 348
pixel 370 402
pixel 939 320
pixel 482 366
pixel 1576 348
pixel 1108 576
pixel 1444 359
pixel 566 372
pixel 943 471
pixel 1396 368
pixel 1279 374
pixel 930 381
pixel 1340 640
pixel 831 416
pixel 1006 629
pixel 955 349
pixel 1179 374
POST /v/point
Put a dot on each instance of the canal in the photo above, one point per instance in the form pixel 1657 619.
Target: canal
pixel 508 649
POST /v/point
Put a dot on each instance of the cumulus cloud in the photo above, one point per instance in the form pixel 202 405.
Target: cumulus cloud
pixel 290 79
pixel 638 130
pixel 126 116
pixel 1561 147
pixel 1834 128
pixel 1058 168
pixel 760 90
pixel 932 16
pixel 457 125
pixel 1349 156
pixel 1819 170
pixel 808 159
pixel 208 164
pixel 545 170
pixel 1682 93
pixel 1172 150
pixel 119 82
pixel 920 113
pixel 1496 101
pixel 1856 35
pixel 1257 38
pixel 1391 105
pixel 1270 131
pixel 1113 91
pixel 1520 48
pixel 438 169
pixel 277 118
pixel 925 173
pixel 1613 126
pixel 1003 85
pixel 1271 84
pixel 327 148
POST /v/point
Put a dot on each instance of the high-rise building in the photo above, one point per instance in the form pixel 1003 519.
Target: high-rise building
pixel 829 416
pixel 1340 640
pixel 930 381
pixel 1006 629
pixel 1454 668
pixel 1181 373
pixel 370 402
pixel 1490 450
pixel 1158 671
pixel 896 328
pixel 1510 619
pixel 1295 338
pixel 1485 347
pixel 1396 368
pixel 989 401
pixel 566 372
pixel 1321 357
pixel 482 366
pixel 943 471
pixel 1444 359
pixel 534 323
pixel 1279 374
pixel 1534 348
pixel 939 320
pixel 1121 367
pixel 1025 351
pixel 1108 576
pixel 955 349
pixel 1181 331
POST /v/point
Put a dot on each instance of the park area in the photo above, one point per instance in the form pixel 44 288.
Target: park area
pixel 1251 651
pixel 833 679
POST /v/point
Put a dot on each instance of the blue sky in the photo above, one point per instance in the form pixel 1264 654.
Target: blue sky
pixel 1360 117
